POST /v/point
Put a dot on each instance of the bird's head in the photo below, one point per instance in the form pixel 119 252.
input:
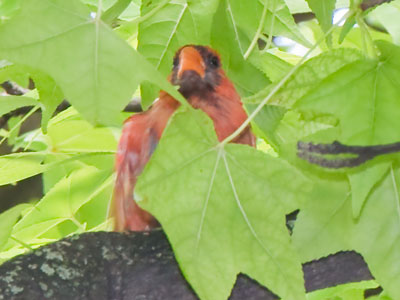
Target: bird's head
pixel 197 70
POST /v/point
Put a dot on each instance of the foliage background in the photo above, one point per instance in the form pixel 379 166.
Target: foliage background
pixel 222 206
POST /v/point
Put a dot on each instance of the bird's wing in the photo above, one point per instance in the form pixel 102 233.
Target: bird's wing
pixel 138 141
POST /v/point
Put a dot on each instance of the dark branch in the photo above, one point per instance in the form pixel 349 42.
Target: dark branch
pixel 367 4
pixel 108 265
pixel 332 163
pixel 13 89
pixel 313 153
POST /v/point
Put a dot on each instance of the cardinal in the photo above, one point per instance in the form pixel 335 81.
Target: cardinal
pixel 198 73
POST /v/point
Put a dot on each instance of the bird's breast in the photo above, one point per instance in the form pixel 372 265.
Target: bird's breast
pixel 227 114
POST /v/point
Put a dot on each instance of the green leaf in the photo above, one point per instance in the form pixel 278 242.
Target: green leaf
pixel 132 12
pixel 226 38
pixel 174 24
pixel 362 182
pixel 8 8
pixel 235 35
pixel 311 73
pixel 94 214
pixel 62 202
pixel 7 221
pixel 50 96
pixel 228 215
pixel 18 74
pixel 115 11
pixel 283 23
pixel 73 135
pixel 106 4
pixel 96 70
pixel 381 296
pixel 53 175
pixel 323 10
pixel 267 120
pixel 273 66
pixel 363 95
pixel 14 125
pixel 319 229
pixel 10 103
pixel 157 39
pixel 324 229
pixel 300 6
pixel 18 166
pixel 297 6
pixel 81 136
pixel 347 27
pixel 388 15
pixel 293 128
pixel 342 290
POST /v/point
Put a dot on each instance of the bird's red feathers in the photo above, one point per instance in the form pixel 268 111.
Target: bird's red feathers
pixel 204 84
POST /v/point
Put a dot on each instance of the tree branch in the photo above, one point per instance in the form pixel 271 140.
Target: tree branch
pixel 313 153
pixel 367 4
pixel 13 89
pixel 109 265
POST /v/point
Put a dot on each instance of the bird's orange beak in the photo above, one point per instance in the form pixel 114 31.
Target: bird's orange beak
pixel 191 60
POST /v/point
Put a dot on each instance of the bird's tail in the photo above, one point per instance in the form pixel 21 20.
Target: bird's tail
pixel 126 212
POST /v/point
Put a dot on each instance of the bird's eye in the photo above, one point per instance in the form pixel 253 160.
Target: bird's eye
pixel 214 61
pixel 176 61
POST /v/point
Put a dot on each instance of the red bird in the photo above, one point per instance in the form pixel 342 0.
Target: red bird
pixel 198 73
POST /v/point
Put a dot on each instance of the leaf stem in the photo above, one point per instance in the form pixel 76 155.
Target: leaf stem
pixel 99 9
pixel 21 243
pixel 258 32
pixel 80 226
pixel 396 191
pixel 367 42
pixel 271 30
pixel 115 11
pixel 31 112
pixel 277 87
pixel 35 135
pixel 150 13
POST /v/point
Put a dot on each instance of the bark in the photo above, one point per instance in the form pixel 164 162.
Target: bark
pixel 110 265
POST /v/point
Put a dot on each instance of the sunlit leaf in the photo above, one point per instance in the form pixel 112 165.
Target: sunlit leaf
pixel 343 291
pixel 277 17
pixel 81 136
pixel 267 120
pixel 15 73
pixel 10 103
pixel 388 15
pixel 362 182
pixel 364 96
pixel 323 10
pixel 96 70
pixel 326 225
pixel 306 77
pixel 227 40
pixel 346 28
pixel 228 214
pixel 273 66
pixel 62 202
pixel 50 96
pixel 18 166
pixel 7 221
